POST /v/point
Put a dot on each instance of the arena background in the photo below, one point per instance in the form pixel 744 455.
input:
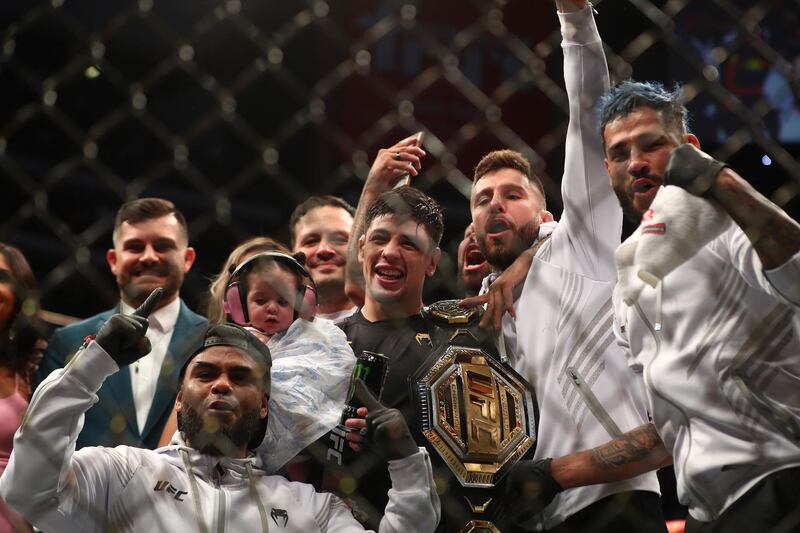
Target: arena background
pixel 239 110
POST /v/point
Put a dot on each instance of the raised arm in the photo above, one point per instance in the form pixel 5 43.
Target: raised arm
pixel 45 482
pixel 774 235
pixel 592 218
pixel 390 165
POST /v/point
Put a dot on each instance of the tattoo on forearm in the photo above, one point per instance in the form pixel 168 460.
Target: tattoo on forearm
pixel 632 447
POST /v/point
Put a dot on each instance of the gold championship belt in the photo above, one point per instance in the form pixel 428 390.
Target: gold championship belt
pixel 476 411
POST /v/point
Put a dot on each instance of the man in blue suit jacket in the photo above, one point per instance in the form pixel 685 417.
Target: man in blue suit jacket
pixel 150 250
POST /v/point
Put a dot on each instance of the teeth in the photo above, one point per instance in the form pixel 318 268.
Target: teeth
pixel 389 273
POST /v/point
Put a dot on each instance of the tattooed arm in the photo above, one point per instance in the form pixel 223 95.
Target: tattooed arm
pixel 638 451
pixel 774 235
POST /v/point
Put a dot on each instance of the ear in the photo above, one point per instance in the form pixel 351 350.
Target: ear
pixel 178 400
pixel 188 259
pixel 545 216
pixel 264 411
pixel 111 258
pixel 691 138
pixel 361 241
pixel 605 163
pixel 435 256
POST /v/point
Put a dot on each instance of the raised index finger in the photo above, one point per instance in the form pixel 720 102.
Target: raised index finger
pixel 363 395
pixel 147 307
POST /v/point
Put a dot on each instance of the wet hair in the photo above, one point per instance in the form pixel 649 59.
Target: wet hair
pixel 216 291
pixel 313 203
pixel 629 95
pixel 411 203
pixel 143 209
pixel 500 159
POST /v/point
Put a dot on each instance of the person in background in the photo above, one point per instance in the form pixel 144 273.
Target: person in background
pixel 320 228
pixel 472 265
pixel 21 343
pixel 151 249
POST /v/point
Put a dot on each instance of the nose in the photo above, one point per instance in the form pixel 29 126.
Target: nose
pixel 392 249
pixel 638 165
pixel 324 250
pixel 496 204
pixel 221 385
pixel 149 255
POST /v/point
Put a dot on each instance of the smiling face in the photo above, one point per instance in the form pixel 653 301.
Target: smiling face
pixel 637 149
pixel 397 254
pixel 221 401
pixel 472 265
pixel 322 235
pixel 271 296
pixel 506 212
pixel 149 254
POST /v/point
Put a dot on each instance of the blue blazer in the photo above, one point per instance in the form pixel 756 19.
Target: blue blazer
pixel 112 420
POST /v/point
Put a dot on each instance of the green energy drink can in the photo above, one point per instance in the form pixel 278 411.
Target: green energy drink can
pixel 371 368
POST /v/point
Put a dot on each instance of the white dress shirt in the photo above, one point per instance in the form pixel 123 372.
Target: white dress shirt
pixel 145 371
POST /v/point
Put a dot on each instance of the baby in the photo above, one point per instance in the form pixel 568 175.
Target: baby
pixel 273 295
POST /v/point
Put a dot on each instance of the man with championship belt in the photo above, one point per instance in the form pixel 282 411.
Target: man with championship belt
pixel 471 410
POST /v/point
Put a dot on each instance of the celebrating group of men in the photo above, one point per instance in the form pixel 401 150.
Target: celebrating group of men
pixel 545 403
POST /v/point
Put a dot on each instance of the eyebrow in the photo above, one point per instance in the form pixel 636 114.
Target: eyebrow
pixel 211 366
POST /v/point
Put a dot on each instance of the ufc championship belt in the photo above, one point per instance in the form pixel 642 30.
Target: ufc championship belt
pixel 475 410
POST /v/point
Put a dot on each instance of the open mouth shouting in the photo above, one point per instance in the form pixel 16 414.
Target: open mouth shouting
pixel 645 188
pixel 473 258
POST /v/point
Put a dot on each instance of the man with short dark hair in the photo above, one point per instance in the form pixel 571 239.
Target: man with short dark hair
pixel 150 250
pixel 558 334
pixel 320 228
pixel 208 480
pixel 398 250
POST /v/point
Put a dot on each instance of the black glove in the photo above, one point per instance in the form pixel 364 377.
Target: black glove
pixel 387 432
pixel 122 336
pixel 691 169
pixel 530 488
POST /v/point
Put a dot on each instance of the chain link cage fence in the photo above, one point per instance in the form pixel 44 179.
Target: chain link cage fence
pixel 239 110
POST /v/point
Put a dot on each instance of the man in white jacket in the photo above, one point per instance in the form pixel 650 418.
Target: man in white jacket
pixel 710 319
pixel 209 480
pixel 561 336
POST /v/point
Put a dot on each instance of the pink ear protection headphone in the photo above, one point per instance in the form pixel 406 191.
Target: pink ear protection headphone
pixel 235 302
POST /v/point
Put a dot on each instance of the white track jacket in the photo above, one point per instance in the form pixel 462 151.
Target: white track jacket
pixel 722 373
pixel 175 488
pixel 564 334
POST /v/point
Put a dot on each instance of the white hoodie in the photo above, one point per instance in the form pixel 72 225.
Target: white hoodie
pixel 717 342
pixel 174 488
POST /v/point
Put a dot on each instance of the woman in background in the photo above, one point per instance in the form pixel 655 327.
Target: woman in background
pixel 21 347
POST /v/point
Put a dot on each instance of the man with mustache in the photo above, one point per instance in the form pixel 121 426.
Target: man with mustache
pixel 320 228
pixel 150 250
pixel 208 479
pixel 712 328
pixel 558 333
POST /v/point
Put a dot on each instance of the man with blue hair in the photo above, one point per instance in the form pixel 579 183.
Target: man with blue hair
pixel 706 305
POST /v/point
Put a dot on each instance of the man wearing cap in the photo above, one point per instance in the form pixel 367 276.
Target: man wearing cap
pixel 208 480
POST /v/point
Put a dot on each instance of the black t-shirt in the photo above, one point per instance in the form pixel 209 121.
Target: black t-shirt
pixel 364 476
pixel 406 344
